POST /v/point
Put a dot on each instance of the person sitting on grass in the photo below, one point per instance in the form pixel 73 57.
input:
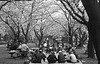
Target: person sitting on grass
pixel 72 57
pixel 39 56
pixel 24 50
pixel 61 57
pixel 52 58
pixel 32 57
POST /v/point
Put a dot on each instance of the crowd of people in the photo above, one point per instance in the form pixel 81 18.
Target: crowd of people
pixel 22 50
pixel 60 56
pixel 48 54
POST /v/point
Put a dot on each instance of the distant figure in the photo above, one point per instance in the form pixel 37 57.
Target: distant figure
pixel 42 54
pixel 52 58
pixel 66 48
pixel 54 49
pixel 72 57
pixel 59 49
pixel 69 49
pixel 13 46
pixel 61 57
pixel 45 44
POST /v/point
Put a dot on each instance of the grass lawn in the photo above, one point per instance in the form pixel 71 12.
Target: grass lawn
pixel 6 59
pixel 84 57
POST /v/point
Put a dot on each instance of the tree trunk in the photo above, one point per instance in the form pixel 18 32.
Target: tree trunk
pixel 40 41
pixel 93 11
pixel 95 32
pixel 90 50
pixel 15 39
pixel 90 44
pixel 26 40
pixel 70 40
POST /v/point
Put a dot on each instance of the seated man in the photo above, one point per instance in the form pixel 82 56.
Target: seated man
pixel 39 56
pixel 72 57
pixel 61 57
pixel 52 58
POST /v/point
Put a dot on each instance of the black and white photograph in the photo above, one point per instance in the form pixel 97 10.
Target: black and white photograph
pixel 49 31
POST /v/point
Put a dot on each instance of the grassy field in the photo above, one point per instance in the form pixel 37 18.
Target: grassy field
pixel 6 59
pixel 84 57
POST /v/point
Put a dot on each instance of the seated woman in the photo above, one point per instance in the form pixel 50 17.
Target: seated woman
pixel 72 57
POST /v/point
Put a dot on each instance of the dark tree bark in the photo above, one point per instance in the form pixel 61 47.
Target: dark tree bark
pixel 90 44
pixel 93 10
pixel 39 36
pixel 4 4
pixel 25 33
pixel 12 29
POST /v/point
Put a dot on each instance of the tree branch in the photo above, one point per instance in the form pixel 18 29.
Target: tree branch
pixel 22 29
pixel 76 30
pixel 37 35
pixel 4 4
pixel 57 22
pixel 73 12
pixel 27 29
pixel 9 26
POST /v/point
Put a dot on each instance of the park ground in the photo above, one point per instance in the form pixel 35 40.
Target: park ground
pixel 6 59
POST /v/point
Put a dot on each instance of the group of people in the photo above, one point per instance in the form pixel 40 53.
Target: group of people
pixel 61 56
pixel 54 55
pixel 23 50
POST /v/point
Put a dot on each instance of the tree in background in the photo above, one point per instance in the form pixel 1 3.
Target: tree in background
pixel 18 16
pixel 79 14
pixel 82 36
pixel 69 27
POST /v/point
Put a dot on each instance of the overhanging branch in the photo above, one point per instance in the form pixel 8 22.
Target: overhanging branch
pixel 4 4
pixel 80 21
